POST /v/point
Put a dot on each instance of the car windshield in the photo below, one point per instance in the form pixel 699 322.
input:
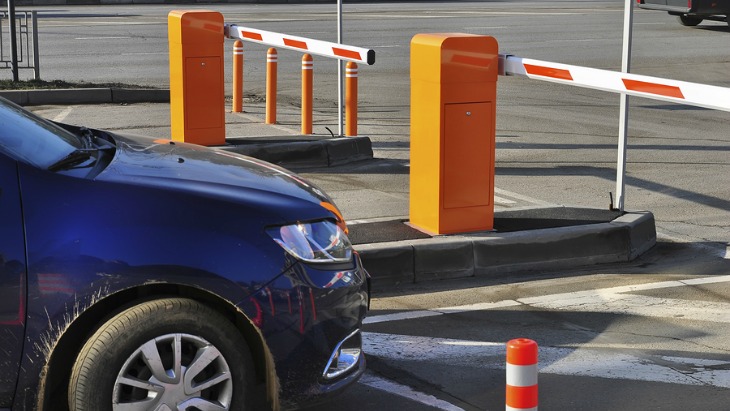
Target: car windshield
pixel 32 139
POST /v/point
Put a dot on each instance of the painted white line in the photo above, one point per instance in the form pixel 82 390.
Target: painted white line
pixel 605 300
pixel 614 365
pixel 157 53
pixel 520 197
pixel 552 360
pixel 407 392
pixel 63 114
pixel 503 201
pixel 102 38
pixel 403 16
pixel 102 23
pixel 643 306
pixel 516 13
pixel 408 315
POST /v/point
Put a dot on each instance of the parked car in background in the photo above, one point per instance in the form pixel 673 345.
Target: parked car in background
pixel 691 12
pixel 149 274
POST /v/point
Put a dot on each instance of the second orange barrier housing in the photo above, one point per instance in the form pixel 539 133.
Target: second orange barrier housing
pixel 453 110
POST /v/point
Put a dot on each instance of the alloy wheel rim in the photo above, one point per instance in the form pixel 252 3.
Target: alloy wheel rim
pixel 174 372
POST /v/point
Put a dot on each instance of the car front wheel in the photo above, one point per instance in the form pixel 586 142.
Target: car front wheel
pixel 686 20
pixel 166 354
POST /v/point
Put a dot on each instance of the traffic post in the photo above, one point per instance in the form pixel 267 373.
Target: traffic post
pixel 309 46
pixel 521 394
pixel 271 69
pixel 351 99
pixel 307 91
pixel 237 76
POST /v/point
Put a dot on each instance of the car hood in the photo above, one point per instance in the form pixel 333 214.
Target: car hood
pixel 178 166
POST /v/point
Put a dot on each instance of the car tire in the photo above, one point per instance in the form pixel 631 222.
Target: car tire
pixel 169 351
pixel 689 21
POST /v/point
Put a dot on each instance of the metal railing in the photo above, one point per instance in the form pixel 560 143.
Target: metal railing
pixel 26 34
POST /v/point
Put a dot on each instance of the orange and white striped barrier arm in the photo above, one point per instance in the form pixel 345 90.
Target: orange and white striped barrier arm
pixel 675 91
pixel 303 44
pixel 521 375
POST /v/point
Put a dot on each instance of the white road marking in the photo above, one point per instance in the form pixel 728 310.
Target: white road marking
pixel 503 201
pixel 518 13
pixel 103 38
pixel 102 23
pixel 552 360
pixel 63 114
pixel 407 392
pixel 150 53
pixel 606 300
pixel 520 197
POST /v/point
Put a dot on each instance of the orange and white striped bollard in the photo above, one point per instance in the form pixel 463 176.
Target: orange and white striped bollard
pixel 237 76
pixel 307 90
pixel 351 99
pixel 521 375
pixel 271 68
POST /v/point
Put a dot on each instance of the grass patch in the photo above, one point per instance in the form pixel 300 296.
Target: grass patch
pixel 59 84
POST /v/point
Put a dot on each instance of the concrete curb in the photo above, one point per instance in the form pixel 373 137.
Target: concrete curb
pixel 469 255
pixel 86 96
pixel 304 151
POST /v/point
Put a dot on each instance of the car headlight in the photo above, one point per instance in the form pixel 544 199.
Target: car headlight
pixel 314 242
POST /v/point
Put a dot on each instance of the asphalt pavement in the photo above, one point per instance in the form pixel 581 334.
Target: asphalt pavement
pixel 372 192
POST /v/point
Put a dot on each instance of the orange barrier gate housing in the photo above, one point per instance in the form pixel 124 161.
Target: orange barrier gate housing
pixel 453 111
pixel 197 99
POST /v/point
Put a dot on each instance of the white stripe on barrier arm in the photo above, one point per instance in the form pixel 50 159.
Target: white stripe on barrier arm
pixel 303 44
pixel 656 88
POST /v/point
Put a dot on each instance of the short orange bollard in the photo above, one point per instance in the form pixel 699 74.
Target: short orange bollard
pixel 307 90
pixel 521 375
pixel 197 95
pixel 351 99
pixel 237 76
pixel 271 68
pixel 453 110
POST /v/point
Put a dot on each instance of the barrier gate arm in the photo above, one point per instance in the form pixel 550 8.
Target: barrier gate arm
pixel 674 91
pixel 302 44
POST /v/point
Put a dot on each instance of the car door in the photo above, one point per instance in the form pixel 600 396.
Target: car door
pixel 12 279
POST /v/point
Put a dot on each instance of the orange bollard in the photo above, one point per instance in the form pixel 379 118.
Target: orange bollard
pixel 351 99
pixel 521 375
pixel 271 66
pixel 307 90
pixel 238 76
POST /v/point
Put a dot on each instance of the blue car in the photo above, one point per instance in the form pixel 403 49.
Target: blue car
pixel 143 274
